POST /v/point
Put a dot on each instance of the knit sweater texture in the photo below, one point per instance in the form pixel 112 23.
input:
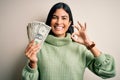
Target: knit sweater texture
pixel 64 59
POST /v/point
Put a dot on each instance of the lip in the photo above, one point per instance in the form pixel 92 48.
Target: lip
pixel 59 28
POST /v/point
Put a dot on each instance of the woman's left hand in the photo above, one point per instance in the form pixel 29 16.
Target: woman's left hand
pixel 81 36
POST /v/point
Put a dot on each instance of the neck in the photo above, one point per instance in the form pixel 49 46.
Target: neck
pixel 60 36
pixel 59 41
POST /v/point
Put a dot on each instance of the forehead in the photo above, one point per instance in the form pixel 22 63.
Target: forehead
pixel 60 12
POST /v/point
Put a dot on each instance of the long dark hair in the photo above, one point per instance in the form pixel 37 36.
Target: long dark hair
pixel 67 9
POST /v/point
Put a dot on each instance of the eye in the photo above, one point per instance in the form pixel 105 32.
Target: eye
pixel 54 17
pixel 64 18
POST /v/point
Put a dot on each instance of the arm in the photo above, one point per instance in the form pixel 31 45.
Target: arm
pixel 101 64
pixel 30 71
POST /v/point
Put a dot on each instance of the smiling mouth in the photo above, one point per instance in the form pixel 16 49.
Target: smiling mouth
pixel 58 28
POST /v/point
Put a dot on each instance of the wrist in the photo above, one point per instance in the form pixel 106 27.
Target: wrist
pixel 33 64
pixel 90 45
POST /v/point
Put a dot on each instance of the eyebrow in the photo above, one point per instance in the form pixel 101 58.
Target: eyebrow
pixel 62 16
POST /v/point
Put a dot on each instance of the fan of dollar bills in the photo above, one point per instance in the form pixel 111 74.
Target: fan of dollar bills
pixel 38 31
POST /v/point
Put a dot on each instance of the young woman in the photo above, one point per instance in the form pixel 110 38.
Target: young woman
pixel 64 56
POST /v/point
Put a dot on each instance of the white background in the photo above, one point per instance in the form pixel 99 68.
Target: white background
pixel 103 25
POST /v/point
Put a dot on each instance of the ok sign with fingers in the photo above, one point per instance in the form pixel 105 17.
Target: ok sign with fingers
pixel 81 36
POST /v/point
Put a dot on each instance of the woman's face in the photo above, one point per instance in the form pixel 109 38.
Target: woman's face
pixel 60 23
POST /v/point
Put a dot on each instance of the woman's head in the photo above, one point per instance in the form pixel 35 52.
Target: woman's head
pixel 60 19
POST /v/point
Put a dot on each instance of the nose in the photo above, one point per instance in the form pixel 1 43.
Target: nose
pixel 59 21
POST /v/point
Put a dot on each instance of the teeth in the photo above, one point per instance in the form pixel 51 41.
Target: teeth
pixel 58 28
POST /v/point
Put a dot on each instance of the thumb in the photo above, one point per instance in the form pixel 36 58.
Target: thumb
pixel 74 36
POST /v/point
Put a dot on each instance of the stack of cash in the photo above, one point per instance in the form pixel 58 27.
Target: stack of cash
pixel 38 31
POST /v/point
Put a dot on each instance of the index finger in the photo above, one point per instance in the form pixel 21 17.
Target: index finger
pixel 31 43
pixel 82 27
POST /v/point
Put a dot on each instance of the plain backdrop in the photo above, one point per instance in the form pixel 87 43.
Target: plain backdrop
pixel 103 25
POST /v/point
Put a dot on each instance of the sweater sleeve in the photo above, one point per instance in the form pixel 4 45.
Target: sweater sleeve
pixel 29 73
pixel 103 65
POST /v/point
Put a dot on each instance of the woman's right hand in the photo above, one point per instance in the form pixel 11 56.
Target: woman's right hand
pixel 31 53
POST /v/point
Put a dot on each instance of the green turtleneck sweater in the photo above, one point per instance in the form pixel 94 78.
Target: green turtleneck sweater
pixel 64 59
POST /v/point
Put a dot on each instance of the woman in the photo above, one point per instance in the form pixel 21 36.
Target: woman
pixel 64 56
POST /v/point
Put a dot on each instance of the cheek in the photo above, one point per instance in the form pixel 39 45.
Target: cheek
pixel 52 22
pixel 67 24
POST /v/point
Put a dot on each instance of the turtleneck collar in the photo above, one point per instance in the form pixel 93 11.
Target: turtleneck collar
pixel 57 41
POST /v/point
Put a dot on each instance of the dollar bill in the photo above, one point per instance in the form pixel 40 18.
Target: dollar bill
pixel 38 31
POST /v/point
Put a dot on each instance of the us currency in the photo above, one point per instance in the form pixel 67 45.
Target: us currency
pixel 38 31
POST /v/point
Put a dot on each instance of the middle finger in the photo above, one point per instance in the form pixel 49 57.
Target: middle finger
pixel 82 27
